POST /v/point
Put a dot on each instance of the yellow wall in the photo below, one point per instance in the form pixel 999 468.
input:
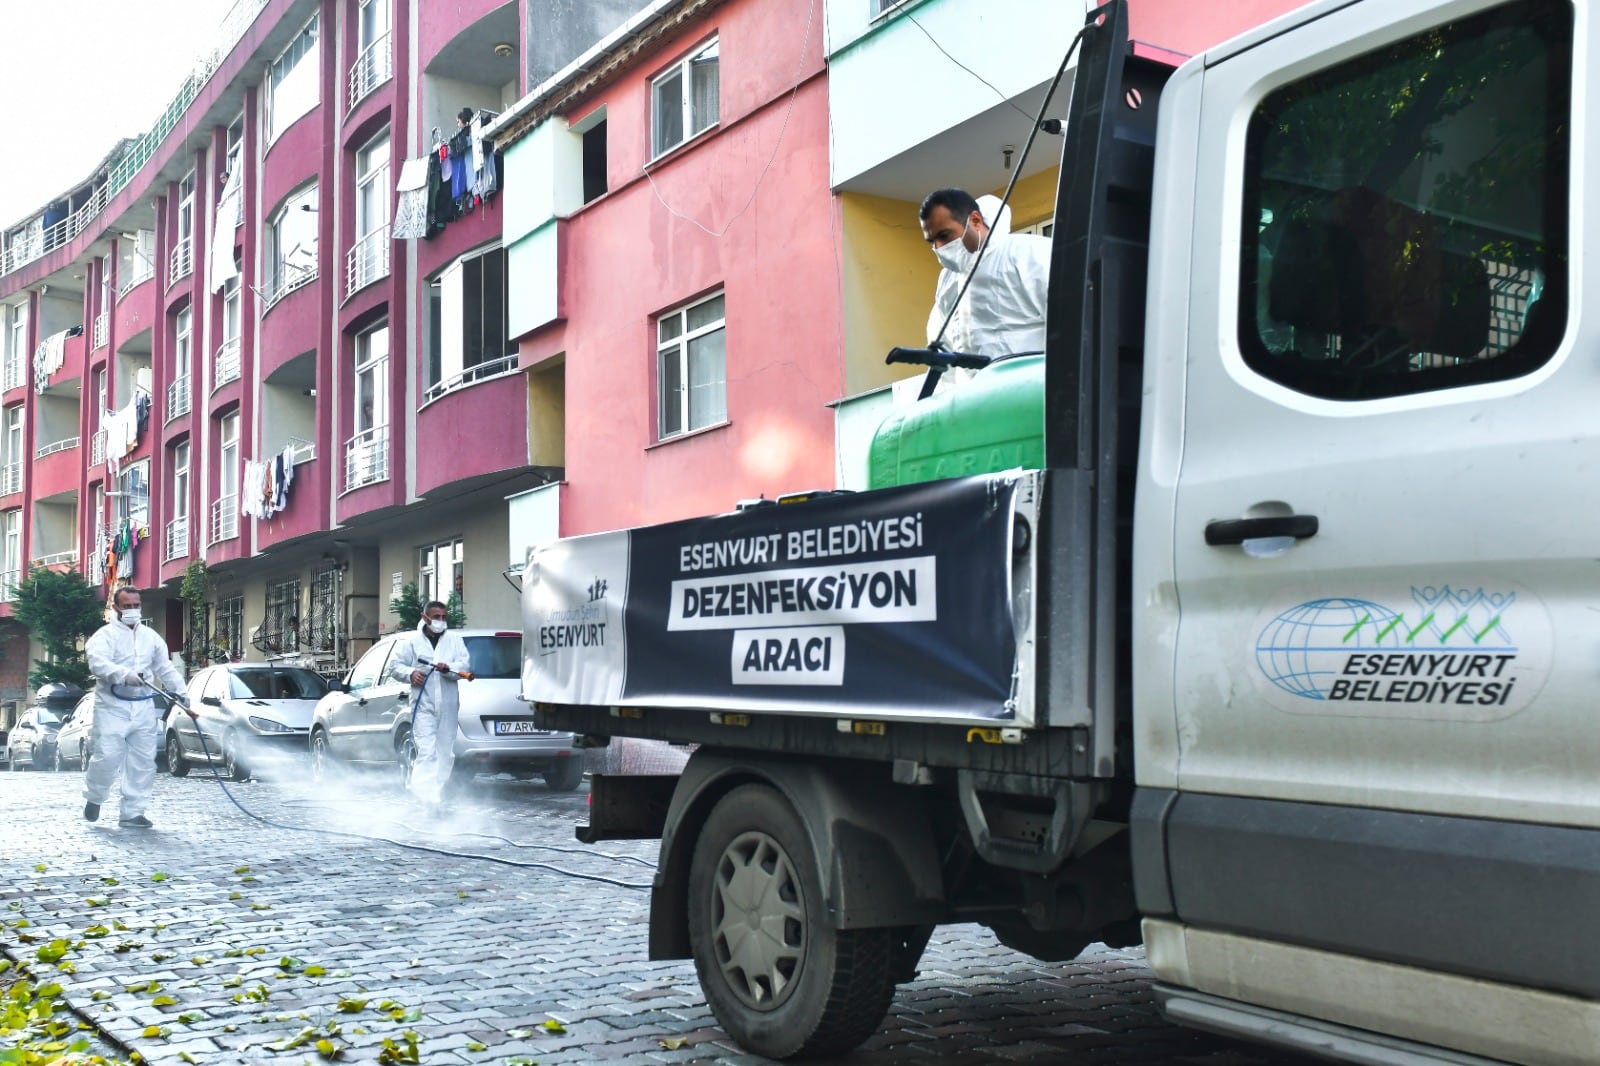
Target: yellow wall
pixel 888 275
pixel 547 406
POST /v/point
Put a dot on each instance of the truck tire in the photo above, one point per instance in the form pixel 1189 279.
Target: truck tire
pixel 780 980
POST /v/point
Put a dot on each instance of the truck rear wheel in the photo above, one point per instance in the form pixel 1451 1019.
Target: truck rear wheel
pixel 778 977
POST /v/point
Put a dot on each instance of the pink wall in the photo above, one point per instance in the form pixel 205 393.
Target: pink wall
pixel 452 442
pixel 775 263
pixel 1188 28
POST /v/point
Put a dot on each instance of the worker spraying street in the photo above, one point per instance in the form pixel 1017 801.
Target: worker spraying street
pixel 433 661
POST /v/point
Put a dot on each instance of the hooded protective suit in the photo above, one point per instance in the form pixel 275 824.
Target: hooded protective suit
pixel 127 729
pixel 435 705
pixel 1003 310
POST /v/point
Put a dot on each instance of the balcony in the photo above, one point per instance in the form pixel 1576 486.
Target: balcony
pixel 10 478
pixel 289 278
pixel 177 538
pixel 97 558
pixel 224 519
pixel 372 68
pixel 182 261
pixel 97 448
pixel 14 375
pixel 366 458
pixel 491 369
pixel 227 367
pixel 57 446
pixel 178 393
pixel 367 261
pixel 141 273
pixel 55 559
pixel 9 580
pixel 102 329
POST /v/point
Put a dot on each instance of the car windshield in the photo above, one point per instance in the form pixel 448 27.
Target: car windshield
pixel 277 684
pixel 497 656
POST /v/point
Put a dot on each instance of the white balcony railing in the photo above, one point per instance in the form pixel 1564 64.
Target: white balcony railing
pixel 97 558
pixel 177 538
pixel 492 369
pixel 57 446
pixel 287 278
pixel 178 397
pixel 102 329
pixel 9 580
pixel 182 260
pixel 367 261
pixel 141 273
pixel 10 478
pixel 14 378
pixel 227 367
pixel 66 558
pixel 373 67
pixel 224 519
pixel 366 458
pixel 97 448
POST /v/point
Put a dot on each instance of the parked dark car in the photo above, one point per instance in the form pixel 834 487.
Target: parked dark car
pixel 74 745
pixel 249 714
pixel 31 744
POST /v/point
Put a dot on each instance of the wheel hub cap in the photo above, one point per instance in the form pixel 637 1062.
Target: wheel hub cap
pixel 758 915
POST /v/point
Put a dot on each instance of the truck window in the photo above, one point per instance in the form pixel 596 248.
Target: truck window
pixel 1405 212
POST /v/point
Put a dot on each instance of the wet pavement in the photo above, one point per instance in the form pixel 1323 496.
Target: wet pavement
pixel 488 936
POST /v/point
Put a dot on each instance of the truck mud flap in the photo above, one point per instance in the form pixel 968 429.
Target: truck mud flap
pixel 1020 822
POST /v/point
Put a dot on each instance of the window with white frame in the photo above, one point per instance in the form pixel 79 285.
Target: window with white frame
pixel 182 356
pixel 374 21
pixel 880 6
pixel 180 479
pixel 11 458
pixel 15 319
pixel 186 208
pixel 232 310
pixel 228 457
pixel 441 570
pixel 133 503
pixel 683 101
pixel 11 563
pixel 372 379
pixel 372 186
pixel 292 244
pixel 292 82
pixel 468 328
pixel 691 367
pixel 229 634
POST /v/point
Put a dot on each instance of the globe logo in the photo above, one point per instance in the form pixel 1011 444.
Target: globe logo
pixel 1301 650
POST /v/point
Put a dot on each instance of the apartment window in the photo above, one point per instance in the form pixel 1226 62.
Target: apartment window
pixel 292 83
pixel 228 456
pixel 691 367
pixel 593 131
pixel 183 345
pixel 280 630
pixel 374 21
pixel 105 283
pixel 180 479
pixel 468 331
pixel 292 244
pixel 133 503
pixel 684 100
pixel 16 335
pixel 235 136
pixel 372 379
pixel 880 6
pixel 229 634
pixel 372 186
pixel 11 564
pixel 441 571
pixel 11 458
pixel 186 208
pixel 232 310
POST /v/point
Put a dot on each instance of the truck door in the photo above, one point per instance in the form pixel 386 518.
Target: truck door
pixel 1383 524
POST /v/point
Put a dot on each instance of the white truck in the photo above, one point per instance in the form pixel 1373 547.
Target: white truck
pixel 1257 620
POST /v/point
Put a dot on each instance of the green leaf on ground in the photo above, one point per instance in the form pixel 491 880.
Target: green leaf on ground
pixel 54 951
pixel 473 1045
pixel 163 1001
pixel 316 971
pixel 550 1025
pixel 159 876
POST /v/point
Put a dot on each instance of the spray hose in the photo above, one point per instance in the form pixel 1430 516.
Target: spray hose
pixel 180 700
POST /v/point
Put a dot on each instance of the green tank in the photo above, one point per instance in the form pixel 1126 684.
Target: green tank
pixel 993 422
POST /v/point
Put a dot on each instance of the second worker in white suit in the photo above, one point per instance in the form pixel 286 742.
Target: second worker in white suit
pixel 432 660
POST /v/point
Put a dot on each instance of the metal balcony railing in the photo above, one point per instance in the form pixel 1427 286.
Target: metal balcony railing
pixel 227 368
pixel 367 261
pixel 102 329
pixel 97 448
pixel 182 261
pixel 373 67
pixel 66 558
pixel 9 580
pixel 57 446
pixel 287 278
pixel 178 397
pixel 14 375
pixel 141 273
pixel 177 538
pixel 492 369
pixel 366 458
pixel 10 478
pixel 224 519
pixel 97 557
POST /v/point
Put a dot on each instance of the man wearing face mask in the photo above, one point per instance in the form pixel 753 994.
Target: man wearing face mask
pixel 1003 310
pixel 432 661
pixel 125 657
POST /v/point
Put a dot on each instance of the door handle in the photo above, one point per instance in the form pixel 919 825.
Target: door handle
pixel 1238 530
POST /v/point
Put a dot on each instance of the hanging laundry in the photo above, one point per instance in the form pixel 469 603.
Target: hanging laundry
pixel 441 211
pixel 411 212
pixel 220 265
pixel 48 358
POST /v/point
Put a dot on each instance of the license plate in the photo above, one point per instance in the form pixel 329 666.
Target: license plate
pixel 513 728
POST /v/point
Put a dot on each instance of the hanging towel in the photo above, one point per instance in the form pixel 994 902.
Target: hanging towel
pixel 411 213
pixel 48 358
pixel 221 264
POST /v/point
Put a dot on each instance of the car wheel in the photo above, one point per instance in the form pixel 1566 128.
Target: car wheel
pixel 564 775
pixel 323 767
pixel 238 769
pixel 780 980
pixel 177 766
pixel 60 762
pixel 406 758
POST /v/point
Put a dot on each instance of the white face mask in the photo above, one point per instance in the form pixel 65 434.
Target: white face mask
pixel 131 616
pixel 954 257
pixel 438 625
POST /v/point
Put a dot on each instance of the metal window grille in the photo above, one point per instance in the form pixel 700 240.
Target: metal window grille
pixel 322 629
pixel 229 635
pixel 280 630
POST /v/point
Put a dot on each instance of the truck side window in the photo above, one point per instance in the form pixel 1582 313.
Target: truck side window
pixel 1405 212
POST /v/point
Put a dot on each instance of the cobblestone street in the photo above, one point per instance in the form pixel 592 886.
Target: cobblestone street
pixel 232 937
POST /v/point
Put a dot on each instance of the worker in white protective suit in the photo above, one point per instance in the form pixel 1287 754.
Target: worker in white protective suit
pixel 1003 309
pixel 125 657
pixel 434 660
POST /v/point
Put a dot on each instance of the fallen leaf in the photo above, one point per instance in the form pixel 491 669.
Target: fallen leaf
pixel 672 1043
pixel 232 982
pixel 186 1057
pixel 236 895
pixel 241 869
pixel 190 1017
pixel 159 877
pixel 200 960
pixel 161 956
pixel 473 1045
pixel 163 1001
pixel 40 868
pixel 288 962
pixel 316 971
pixel 550 1025
pixel 519 1034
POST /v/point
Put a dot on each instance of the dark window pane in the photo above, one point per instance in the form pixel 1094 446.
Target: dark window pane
pixel 594 162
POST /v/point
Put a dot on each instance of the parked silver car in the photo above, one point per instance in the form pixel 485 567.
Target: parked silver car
pixel 368 721
pixel 74 741
pixel 31 744
pixel 250 714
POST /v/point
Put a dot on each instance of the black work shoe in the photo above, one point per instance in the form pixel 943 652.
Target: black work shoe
pixel 91 812
pixel 138 821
